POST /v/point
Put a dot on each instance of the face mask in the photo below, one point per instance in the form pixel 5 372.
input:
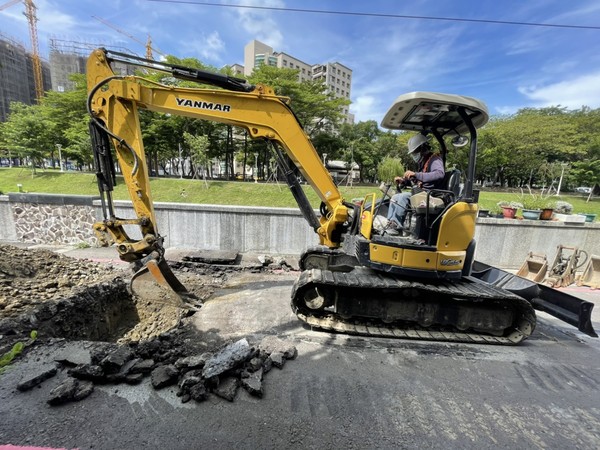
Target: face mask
pixel 416 156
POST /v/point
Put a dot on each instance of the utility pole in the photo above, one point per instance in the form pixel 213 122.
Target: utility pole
pixel 180 163
pixel 60 164
pixel 562 172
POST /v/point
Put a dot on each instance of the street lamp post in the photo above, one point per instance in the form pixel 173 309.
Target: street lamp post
pixel 562 172
pixel 59 147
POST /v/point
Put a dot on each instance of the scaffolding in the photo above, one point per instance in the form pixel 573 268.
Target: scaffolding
pixel 15 66
pixel 70 56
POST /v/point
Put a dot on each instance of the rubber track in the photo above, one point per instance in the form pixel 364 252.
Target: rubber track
pixel 369 280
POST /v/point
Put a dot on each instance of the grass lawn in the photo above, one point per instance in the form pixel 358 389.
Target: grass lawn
pixel 222 192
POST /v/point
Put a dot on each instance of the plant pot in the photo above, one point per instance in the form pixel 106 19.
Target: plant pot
pixel 509 213
pixel 546 214
pixel 532 214
pixel 588 217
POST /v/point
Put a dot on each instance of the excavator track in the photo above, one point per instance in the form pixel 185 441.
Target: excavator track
pixel 432 307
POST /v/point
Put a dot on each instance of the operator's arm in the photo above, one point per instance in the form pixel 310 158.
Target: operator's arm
pixel 435 173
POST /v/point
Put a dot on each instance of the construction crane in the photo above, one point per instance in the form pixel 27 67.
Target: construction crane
pixel 147 44
pixel 32 19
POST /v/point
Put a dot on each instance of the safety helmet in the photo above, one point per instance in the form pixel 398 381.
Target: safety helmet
pixel 415 144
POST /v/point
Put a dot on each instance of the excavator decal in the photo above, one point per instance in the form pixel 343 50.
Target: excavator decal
pixel 202 105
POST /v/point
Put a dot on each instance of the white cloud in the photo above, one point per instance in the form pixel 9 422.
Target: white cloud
pixel 259 23
pixel 210 47
pixel 572 93
pixel 365 107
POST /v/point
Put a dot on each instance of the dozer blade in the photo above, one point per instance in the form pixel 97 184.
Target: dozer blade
pixel 565 307
pixel 157 282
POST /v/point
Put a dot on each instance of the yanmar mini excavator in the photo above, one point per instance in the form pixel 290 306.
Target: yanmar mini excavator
pixel 358 279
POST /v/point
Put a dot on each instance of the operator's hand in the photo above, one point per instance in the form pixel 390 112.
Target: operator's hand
pixel 409 174
pixel 398 180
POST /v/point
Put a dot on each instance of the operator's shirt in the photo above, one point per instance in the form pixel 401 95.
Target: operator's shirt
pixel 431 173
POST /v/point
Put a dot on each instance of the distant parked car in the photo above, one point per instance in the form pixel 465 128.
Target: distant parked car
pixel 583 190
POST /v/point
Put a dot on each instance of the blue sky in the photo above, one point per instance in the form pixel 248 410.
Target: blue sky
pixel 507 66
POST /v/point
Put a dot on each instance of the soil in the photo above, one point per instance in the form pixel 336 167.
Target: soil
pixel 60 296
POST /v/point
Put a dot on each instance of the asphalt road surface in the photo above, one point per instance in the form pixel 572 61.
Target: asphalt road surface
pixel 340 392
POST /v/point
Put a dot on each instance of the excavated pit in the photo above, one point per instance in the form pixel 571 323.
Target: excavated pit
pixel 136 336
pixel 75 299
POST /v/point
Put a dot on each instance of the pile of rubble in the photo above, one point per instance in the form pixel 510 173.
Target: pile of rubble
pixel 31 277
pixel 166 362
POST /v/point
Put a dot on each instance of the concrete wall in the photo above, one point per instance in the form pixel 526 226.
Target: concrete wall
pixel 500 242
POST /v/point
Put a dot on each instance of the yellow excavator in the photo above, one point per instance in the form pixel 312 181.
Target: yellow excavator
pixel 359 279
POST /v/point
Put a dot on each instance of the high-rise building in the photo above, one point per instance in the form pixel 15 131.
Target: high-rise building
pixel 338 79
pixel 62 65
pixel 16 75
pixel 336 76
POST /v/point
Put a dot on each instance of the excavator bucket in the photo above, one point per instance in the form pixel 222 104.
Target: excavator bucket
pixel 534 267
pixel 156 282
pixel 562 271
pixel 591 273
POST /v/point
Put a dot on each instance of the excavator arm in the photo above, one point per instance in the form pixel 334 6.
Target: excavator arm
pixel 114 102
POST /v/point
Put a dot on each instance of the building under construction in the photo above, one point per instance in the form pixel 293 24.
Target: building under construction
pixel 16 75
pixel 69 57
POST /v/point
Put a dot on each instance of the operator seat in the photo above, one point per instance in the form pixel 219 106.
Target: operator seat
pixel 452 181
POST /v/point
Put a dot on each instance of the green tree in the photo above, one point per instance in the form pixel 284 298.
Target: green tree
pixel 28 133
pixel 67 111
pixel 198 146
pixel 316 108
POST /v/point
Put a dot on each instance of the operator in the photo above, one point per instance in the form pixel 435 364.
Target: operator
pixel 430 175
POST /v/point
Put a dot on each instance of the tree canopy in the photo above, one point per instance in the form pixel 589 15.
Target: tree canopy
pixel 534 146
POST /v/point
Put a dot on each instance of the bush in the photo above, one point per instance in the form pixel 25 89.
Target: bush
pixel 512 205
pixel 389 168
pixel 563 207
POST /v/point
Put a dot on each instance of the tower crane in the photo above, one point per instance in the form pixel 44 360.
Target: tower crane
pixel 30 13
pixel 147 44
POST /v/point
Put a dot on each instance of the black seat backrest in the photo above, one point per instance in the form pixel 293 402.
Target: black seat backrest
pixel 452 181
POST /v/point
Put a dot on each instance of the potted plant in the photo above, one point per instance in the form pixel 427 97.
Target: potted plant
pixel 533 205
pixel 563 207
pixel 547 211
pixel 509 209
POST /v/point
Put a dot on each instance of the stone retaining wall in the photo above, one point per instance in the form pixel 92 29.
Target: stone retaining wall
pixel 53 219
pixel 49 219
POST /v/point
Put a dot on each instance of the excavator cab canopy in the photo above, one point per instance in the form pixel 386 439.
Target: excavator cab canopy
pixel 430 111
pixel 441 115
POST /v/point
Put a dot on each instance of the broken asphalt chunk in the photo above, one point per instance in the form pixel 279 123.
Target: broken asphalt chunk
pixel 271 344
pixel 277 359
pixel 228 388
pixel 37 378
pixel 253 383
pixel 88 372
pixel 227 358
pixel 193 362
pixel 70 390
pixel 114 361
pixel 164 376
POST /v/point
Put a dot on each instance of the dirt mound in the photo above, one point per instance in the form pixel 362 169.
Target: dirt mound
pixel 31 277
